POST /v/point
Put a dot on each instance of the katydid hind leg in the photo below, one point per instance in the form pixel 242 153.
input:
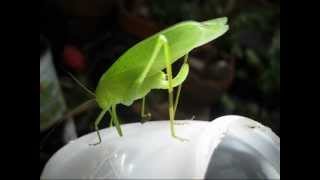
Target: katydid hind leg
pixel 170 89
pixel 146 70
pixel 144 116
pixel 138 83
pixel 179 88
pixel 111 118
pixel 178 94
pixel 178 79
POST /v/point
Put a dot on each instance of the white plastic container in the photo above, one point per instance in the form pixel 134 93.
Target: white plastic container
pixel 227 147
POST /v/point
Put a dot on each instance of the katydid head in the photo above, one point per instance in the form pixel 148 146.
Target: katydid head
pixel 215 22
pixel 212 29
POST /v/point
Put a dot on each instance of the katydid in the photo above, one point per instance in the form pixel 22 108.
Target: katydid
pixel 140 68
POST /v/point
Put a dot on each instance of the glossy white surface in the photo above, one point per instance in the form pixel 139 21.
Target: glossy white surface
pixel 148 151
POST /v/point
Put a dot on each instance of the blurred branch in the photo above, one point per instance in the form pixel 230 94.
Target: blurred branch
pixel 69 116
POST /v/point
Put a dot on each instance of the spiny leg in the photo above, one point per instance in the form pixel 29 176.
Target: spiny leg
pixel 96 123
pixel 170 89
pixel 137 84
pixel 179 88
pixel 111 119
pixel 146 70
pixel 115 119
pixel 185 61
pixel 176 81
pixel 161 42
pixel 144 116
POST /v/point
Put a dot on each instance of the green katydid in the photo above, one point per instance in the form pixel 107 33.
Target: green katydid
pixel 140 68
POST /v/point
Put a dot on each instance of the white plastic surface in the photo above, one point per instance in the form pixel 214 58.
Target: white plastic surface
pixel 148 150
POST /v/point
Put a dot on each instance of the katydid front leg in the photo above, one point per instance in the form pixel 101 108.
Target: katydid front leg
pixel 96 124
pixel 113 119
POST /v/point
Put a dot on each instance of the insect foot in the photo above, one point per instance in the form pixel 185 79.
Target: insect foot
pixel 180 138
pixel 145 118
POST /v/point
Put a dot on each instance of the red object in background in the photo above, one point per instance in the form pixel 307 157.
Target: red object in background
pixel 74 58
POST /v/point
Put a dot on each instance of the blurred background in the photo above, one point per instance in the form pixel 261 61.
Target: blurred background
pixel 239 73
